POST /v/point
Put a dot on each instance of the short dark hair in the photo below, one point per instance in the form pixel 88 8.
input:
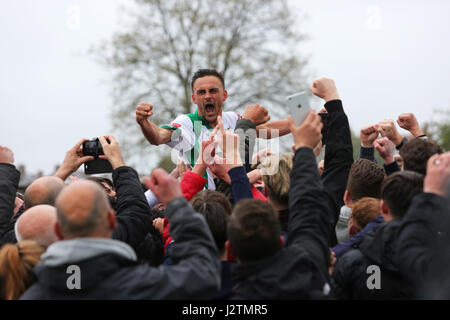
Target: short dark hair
pixel 101 180
pixel 254 230
pixel 217 220
pixel 225 189
pixel 416 152
pixel 207 72
pixel 211 196
pixel 399 189
pixel 364 179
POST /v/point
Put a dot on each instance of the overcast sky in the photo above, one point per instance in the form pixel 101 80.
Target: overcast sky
pixel 387 57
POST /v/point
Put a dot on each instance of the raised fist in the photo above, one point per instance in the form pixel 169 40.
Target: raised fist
pixel 143 112
pixel 409 122
pixel 325 88
pixel 384 148
pixel 256 114
pixel 389 130
pixel 368 135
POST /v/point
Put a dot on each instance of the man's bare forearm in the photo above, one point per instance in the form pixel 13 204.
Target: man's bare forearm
pixel 154 134
pixel 273 129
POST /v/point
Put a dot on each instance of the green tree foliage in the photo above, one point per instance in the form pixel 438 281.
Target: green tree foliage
pixel 439 130
pixel 253 42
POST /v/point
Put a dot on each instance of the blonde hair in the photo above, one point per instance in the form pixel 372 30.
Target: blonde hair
pixel 276 172
pixel 16 264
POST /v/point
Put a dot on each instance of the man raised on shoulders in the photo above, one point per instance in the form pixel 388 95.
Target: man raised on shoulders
pixel 186 132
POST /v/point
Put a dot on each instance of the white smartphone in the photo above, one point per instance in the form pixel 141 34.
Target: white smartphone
pixel 298 106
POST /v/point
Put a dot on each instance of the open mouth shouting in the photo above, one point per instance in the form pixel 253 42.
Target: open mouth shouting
pixel 210 109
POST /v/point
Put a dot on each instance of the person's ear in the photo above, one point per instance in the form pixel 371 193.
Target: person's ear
pixel 230 252
pixel 112 222
pixel 225 95
pixel 384 208
pixel 347 199
pixel 385 211
pixel 58 231
pixel 193 99
pixel 282 240
pixel 352 230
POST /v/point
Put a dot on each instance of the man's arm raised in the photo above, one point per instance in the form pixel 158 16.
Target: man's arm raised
pixel 154 134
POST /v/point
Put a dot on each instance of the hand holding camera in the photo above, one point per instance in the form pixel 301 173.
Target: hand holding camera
pixel 74 158
pixel 112 151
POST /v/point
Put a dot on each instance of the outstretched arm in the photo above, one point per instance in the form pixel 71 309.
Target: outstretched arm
pixel 338 152
pixel 273 129
pixel 308 207
pixel 154 134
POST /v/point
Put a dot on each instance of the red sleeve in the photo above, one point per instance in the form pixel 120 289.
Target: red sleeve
pixel 258 195
pixel 191 183
pixel 166 235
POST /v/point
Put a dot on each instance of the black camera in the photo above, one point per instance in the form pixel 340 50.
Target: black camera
pixel 94 148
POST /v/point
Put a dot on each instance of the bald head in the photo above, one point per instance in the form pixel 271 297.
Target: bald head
pixel 38 224
pixel 83 211
pixel 44 190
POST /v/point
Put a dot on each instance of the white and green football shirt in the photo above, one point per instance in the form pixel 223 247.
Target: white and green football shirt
pixel 190 130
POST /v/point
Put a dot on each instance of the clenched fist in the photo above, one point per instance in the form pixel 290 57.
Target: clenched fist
pixel 256 114
pixel 143 112
pixel 325 88
pixel 387 129
pixel 384 148
pixel 409 122
pixel 368 135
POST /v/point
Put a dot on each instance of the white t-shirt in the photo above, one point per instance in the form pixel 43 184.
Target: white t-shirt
pixel 190 130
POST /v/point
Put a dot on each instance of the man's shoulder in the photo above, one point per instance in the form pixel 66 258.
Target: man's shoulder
pixel 180 122
pixel 232 115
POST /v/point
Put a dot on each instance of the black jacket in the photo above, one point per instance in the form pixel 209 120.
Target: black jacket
pixel 194 275
pixel 338 161
pixel 298 271
pixel 132 211
pixel 376 248
pixel 424 246
pixel 9 182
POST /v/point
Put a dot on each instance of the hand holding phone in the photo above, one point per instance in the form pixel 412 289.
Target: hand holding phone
pixel 299 107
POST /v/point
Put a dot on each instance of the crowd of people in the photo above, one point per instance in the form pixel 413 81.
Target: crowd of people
pixel 232 223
